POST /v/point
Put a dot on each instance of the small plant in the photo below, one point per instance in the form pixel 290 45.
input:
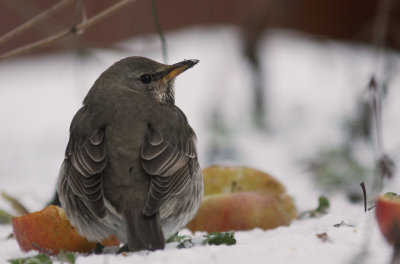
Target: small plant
pixel 213 238
pixel 62 257
pixel 338 168
pixel 323 206
pixel 220 238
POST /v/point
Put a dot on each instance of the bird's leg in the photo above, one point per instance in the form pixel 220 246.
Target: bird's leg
pixel 98 248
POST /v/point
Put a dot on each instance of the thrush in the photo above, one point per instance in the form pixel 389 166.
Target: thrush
pixel 131 167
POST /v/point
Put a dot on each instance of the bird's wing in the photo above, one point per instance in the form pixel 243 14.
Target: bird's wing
pixel 169 155
pixel 86 158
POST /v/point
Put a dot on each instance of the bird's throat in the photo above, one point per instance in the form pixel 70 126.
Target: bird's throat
pixel 168 94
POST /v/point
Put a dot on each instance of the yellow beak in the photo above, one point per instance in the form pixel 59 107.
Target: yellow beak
pixel 177 68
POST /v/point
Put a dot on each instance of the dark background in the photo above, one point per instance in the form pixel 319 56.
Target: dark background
pixel 353 20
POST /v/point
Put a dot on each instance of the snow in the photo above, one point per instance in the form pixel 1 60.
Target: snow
pixel 312 88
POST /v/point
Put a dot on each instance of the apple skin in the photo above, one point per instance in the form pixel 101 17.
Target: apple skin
pixel 228 179
pixel 219 179
pixel 388 215
pixel 239 211
pixel 241 198
pixel 49 231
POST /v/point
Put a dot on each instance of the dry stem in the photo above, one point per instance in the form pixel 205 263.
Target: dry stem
pixel 32 22
pixel 73 30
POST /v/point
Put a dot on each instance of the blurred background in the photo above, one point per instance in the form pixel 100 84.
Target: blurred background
pixel 304 89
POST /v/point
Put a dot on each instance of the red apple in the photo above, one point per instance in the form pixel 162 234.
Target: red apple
pixel 388 216
pixel 241 198
pixel 225 179
pixel 239 211
pixel 50 231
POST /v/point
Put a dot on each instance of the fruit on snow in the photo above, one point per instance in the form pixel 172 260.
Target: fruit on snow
pixel 49 230
pixel 241 198
pixel 388 215
pixel 239 211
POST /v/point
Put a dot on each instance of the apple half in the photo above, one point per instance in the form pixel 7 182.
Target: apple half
pixel 49 231
pixel 241 198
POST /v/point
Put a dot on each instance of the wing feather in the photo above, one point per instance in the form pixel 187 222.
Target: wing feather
pixel 86 158
pixel 166 157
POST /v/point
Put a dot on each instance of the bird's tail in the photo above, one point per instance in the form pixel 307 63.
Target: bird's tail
pixel 144 232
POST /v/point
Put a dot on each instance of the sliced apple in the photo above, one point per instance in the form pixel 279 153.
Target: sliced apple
pixel 49 231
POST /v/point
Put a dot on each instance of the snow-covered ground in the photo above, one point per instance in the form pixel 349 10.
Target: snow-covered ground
pixel 312 88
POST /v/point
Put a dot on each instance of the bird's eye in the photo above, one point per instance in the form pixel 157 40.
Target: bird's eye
pixel 145 78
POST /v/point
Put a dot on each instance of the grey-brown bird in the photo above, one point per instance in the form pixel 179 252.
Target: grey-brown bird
pixel 131 166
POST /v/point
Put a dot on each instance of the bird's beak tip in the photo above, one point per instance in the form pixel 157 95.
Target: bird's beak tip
pixel 180 67
pixel 189 63
pixel 194 61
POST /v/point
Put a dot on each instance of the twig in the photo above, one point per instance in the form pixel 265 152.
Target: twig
pixel 375 110
pixel 73 30
pixel 38 44
pixel 32 22
pixel 100 16
pixel 78 14
pixel 362 184
pixel 375 101
pixel 159 30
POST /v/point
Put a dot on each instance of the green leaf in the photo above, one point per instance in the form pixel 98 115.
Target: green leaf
pixel 62 257
pixel 323 206
pixel 214 238
pixel 66 257
pixel 5 218
pixel 217 238
pixel 186 243
pixel 392 195
pixel 176 238
pixel 183 241
pixel 38 259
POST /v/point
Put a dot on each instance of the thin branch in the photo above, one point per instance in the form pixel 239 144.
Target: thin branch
pixel 159 30
pixel 32 22
pixel 384 166
pixel 77 14
pixel 362 184
pixel 375 102
pixel 74 30
pixel 38 44
pixel 100 16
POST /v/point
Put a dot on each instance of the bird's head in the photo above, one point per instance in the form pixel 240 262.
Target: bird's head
pixel 148 76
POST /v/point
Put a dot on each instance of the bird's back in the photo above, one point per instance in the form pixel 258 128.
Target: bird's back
pixel 131 165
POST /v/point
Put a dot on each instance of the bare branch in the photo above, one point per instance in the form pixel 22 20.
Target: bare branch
pixel 32 22
pixel 362 184
pixel 77 14
pixel 74 30
pixel 38 44
pixel 102 15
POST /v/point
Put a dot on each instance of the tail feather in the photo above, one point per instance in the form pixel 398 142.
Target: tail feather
pixel 144 232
